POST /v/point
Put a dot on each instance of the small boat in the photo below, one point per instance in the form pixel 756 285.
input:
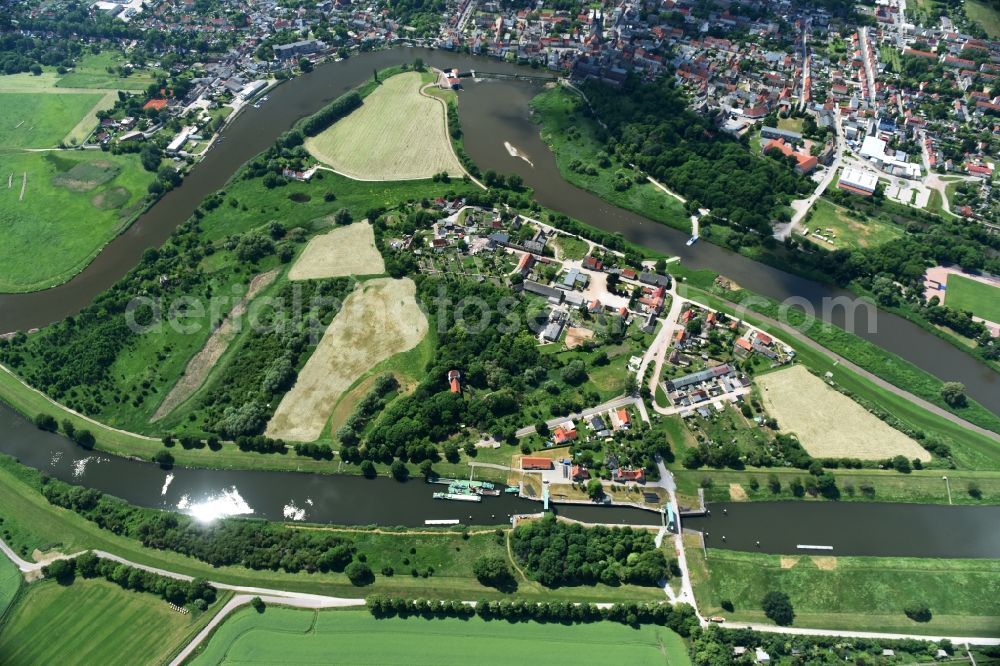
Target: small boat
pixel 458 497
pixel 512 490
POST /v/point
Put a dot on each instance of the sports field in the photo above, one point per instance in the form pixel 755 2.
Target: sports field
pixel 43 119
pixel 853 592
pixel 397 134
pixel 57 209
pixel 10 583
pixel 982 299
pixel 347 250
pixel 282 635
pixel 93 622
pixel 378 320
pixel 828 423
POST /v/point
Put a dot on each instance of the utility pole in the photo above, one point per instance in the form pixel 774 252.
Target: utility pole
pixel 947 484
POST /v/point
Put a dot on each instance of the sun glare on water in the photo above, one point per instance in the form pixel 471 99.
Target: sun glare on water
pixel 223 504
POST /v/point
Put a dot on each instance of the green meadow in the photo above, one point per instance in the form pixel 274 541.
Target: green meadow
pixel 10 583
pixel 284 635
pixel 43 119
pixel 57 210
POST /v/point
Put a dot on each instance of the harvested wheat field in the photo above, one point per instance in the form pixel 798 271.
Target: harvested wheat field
pixel 829 424
pixel 397 134
pixel 379 319
pixel 346 250
pixel 202 363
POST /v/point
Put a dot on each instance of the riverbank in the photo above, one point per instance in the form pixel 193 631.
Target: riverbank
pixel 851 593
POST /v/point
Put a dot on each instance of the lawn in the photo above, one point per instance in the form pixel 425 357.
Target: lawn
pixel 10 584
pixel 43 119
pixel 306 636
pixel 91 71
pixel 982 299
pixel 846 230
pixel 571 247
pixel 828 423
pixel 397 134
pixel 72 205
pixel 853 592
pixel 94 622
pixel 573 138
pixel 987 16
pixel 790 124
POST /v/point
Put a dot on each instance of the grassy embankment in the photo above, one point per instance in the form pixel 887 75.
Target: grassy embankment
pixel 30 522
pixel 572 135
pixel 851 593
pixel 285 634
pixel 10 585
pixel 96 622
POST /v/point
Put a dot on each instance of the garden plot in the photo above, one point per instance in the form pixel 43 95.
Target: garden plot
pixel 829 424
pixel 346 250
pixel 379 319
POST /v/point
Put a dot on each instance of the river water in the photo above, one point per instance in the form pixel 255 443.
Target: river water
pixel 492 112
pixel 851 528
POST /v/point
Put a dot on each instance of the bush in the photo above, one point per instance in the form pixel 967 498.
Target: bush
pixel 399 470
pixel 778 608
pixel 917 611
pixel 257 604
pixel 360 574
pixel 492 570
pixel 46 422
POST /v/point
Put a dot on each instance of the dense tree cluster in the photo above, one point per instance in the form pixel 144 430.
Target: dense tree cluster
pixel 557 553
pixel 650 125
pixel 331 113
pixel 424 16
pixel 255 544
pixel 177 592
pixel 680 618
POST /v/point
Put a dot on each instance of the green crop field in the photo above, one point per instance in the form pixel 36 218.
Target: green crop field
pixel 57 210
pixel 93 622
pixel 397 134
pixel 283 635
pixel 981 299
pixel 10 583
pixel 42 120
pixel 853 592
pixel 846 230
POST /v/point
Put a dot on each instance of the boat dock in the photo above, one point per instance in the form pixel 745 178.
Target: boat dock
pixel 808 547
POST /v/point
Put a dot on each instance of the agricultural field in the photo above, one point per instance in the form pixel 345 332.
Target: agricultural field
pixel 44 119
pixel 348 250
pixel 846 229
pixel 397 134
pixel 828 423
pixel 378 320
pixel 93 622
pixel 979 298
pixel 852 592
pixel 10 583
pixel 305 636
pixel 58 209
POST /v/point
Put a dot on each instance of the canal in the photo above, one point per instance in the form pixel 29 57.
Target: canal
pixel 492 112
pixel 909 530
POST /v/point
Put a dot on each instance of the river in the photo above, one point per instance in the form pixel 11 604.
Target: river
pixel 851 528
pixel 492 112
